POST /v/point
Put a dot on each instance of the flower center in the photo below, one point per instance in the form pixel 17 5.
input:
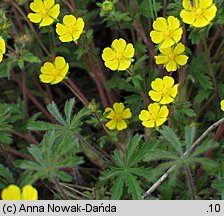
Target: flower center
pixel 70 30
pixel 167 32
pixel 171 56
pixel 44 12
pixel 199 11
pixel 117 116
pixel 119 56
pixel 55 72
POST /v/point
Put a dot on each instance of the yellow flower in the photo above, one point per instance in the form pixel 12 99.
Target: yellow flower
pixel 54 73
pixel 13 192
pixel 45 12
pixel 71 29
pixel 154 116
pixel 222 105
pixel 117 115
pixel 164 91
pixel 119 56
pixel 2 48
pixel 200 15
pixel 166 32
pixel 172 57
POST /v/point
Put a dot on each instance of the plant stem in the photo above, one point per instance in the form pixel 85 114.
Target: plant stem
pixel 195 144
pixel 190 182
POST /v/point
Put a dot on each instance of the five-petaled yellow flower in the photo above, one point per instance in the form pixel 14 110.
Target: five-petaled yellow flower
pixel 2 48
pixel 119 56
pixel 13 192
pixel 164 91
pixel 154 116
pixel 71 29
pixel 166 32
pixel 200 14
pixel 45 12
pixel 172 57
pixel 117 115
pixel 222 105
pixel 54 73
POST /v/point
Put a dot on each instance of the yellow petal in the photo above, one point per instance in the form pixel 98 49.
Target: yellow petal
pixel 35 18
pixel 111 114
pixel 113 65
pixel 111 124
pixel 49 3
pixel 164 112
pixel 181 59
pixel 155 96
pixel 126 114
pixel 205 3
pixel 79 24
pixel 29 193
pixel 160 24
pixel 119 45
pixel 57 79
pixel 180 48
pixel 118 107
pixel 157 84
pixel 156 36
pixel 154 109
pixel 59 62
pixel 174 91
pixel 46 21
pixel 160 121
pixel 76 35
pixel 47 68
pixel 166 99
pixel 171 66
pixel 200 22
pixel 121 125
pixel 187 5
pixel 64 71
pixel 2 45
pixel 45 78
pixel 148 124
pixel 161 59
pixel 124 65
pixel 129 51
pixel 12 192
pixel 60 29
pixel 222 105
pixel 37 5
pixel 66 38
pixel 165 51
pixel 173 23
pixel 144 115
pixel 1 57
pixel 54 12
pixel 69 20
pixel 187 16
pixel 108 54
pixel 176 36
pixel 168 42
pixel 168 81
pixel 210 13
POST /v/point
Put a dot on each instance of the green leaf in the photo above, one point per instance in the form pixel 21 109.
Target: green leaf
pixel 158 154
pixel 189 136
pixel 133 187
pixel 117 189
pixel 172 138
pixel 141 171
pixel 30 57
pixel 6 174
pixel 42 126
pixel 68 109
pixel 53 109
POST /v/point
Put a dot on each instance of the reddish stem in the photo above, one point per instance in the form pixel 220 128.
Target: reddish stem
pixel 24 93
pixel 164 8
pixel 34 100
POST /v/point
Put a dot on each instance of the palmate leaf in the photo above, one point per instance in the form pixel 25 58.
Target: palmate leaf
pixel 133 187
pixel 68 109
pixel 118 186
pixel 53 109
pixel 42 126
pixel 141 171
pixel 160 155
pixel 189 136
pixel 6 174
pixel 172 138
